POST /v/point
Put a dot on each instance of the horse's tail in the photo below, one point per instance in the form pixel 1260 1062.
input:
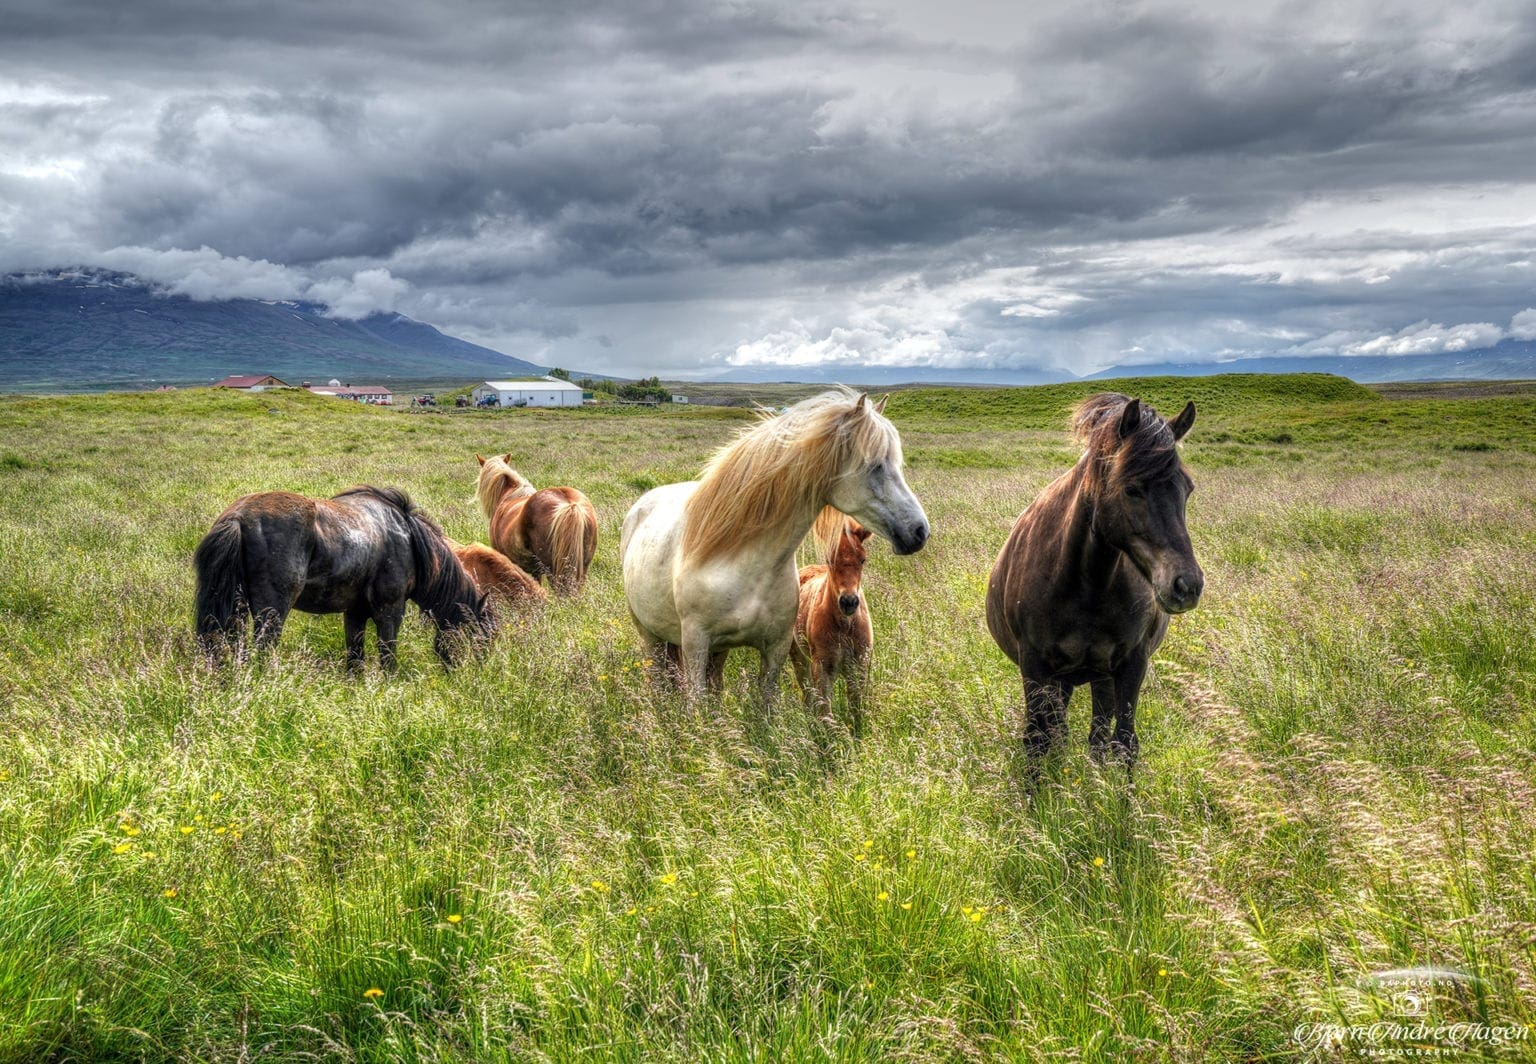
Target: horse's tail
pixel 221 602
pixel 568 547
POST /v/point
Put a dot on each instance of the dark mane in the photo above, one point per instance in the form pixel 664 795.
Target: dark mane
pixel 388 496
pixel 444 590
pixel 1148 454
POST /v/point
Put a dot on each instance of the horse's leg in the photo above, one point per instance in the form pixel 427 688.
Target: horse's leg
pixel 695 655
pixel 386 625
pixel 1045 715
pixel 716 678
pixel 1104 712
pixel 1127 692
pixel 667 663
pixel 355 625
pixel 772 666
pixel 270 619
pixel 856 680
pixel 800 660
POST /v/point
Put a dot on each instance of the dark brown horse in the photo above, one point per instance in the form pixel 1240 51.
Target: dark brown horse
pixel 833 636
pixel 362 554
pixel 1082 590
pixel 551 532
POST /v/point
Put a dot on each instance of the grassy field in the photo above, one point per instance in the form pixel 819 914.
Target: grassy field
pixel 536 857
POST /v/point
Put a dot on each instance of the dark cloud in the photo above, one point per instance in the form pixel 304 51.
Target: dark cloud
pixel 680 185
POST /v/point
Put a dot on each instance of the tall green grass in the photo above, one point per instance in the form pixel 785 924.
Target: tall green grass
pixel 538 857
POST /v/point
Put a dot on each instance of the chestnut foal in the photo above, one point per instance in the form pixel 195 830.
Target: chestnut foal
pixel 832 631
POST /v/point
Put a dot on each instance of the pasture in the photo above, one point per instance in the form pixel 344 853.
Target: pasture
pixel 537 857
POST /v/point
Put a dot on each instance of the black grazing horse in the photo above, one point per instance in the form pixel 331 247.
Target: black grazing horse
pixel 1082 590
pixel 362 553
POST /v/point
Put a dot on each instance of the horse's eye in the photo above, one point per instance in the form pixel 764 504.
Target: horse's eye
pixel 878 470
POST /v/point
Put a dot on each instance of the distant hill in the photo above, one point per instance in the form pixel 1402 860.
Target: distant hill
pixel 1508 360
pixel 86 330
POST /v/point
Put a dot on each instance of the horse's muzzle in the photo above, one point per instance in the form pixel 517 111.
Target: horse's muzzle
pixel 849 604
pixel 910 540
pixel 1184 594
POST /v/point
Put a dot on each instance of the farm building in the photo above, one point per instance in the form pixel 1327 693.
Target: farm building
pixel 254 382
pixel 371 394
pixel 536 391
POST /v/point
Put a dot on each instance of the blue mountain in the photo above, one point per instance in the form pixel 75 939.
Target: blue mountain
pixel 86 330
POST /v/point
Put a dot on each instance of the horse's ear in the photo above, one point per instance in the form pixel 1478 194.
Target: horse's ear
pixel 479 459
pixel 507 458
pixel 858 406
pixel 861 533
pixel 1130 419
pixel 1181 424
pixel 880 404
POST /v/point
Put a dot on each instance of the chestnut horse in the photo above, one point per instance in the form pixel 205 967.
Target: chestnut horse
pixel 551 533
pixel 833 636
pixel 362 554
pixel 1082 590
pixel 505 584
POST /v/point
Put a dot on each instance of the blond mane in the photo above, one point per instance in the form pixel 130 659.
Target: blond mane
pixel 779 471
pixel 499 480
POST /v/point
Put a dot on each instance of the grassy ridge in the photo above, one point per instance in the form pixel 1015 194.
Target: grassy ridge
pixel 1336 773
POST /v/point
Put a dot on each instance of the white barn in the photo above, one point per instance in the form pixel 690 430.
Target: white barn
pixel 537 391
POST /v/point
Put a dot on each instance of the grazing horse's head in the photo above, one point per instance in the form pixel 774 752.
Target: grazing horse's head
pixel 498 480
pixel 1137 486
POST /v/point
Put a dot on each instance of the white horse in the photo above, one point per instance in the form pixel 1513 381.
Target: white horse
pixel 710 564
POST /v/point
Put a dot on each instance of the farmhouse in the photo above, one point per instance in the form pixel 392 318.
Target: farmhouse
pixel 254 382
pixel 534 391
pixel 371 394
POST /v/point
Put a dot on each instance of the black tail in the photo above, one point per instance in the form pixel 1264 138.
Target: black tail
pixel 221 602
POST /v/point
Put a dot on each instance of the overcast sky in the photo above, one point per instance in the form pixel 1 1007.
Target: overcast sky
pixel 676 187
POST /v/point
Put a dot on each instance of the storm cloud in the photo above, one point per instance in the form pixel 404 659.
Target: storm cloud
pixel 684 187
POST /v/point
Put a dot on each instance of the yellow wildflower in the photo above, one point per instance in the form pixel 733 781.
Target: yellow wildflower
pixel 1098 862
pixel 168 892
pixel 911 855
pixel 599 886
pixel 884 895
pixel 907 906
pixel 122 847
pixel 869 844
pixel 1162 971
pixel 128 828
pixel 186 829
pixel 669 878
pixel 976 917
pixel 373 993
pixel 860 857
pixel 455 918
